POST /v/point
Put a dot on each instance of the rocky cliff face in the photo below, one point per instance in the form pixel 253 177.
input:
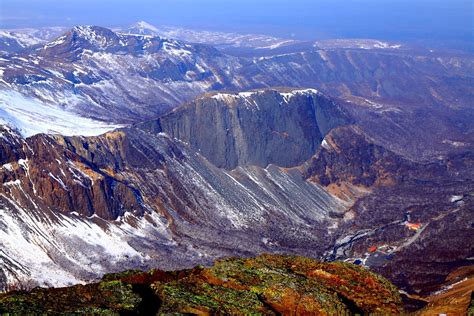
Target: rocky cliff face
pixel 254 128
pixel 40 171
pixel 348 156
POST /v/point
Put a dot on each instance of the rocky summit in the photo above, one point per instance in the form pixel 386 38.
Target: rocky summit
pixel 265 285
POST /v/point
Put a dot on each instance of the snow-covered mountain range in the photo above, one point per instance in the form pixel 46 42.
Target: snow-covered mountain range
pixel 121 78
pixel 15 40
pixel 127 148
pixel 218 39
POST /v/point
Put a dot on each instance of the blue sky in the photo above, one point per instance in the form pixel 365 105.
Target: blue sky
pixel 306 19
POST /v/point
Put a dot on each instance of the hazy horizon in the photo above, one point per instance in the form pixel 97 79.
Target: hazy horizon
pixel 301 19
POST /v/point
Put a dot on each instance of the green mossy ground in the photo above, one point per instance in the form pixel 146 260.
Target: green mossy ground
pixel 267 284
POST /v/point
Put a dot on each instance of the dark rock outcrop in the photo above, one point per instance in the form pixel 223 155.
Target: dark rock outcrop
pixel 10 145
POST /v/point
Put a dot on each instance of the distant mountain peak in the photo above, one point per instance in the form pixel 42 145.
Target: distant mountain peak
pixel 146 25
pixel 88 39
pixel 94 34
pixel 143 28
pixel 85 37
pixel 84 29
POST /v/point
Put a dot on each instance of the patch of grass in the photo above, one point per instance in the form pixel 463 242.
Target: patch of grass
pixel 267 284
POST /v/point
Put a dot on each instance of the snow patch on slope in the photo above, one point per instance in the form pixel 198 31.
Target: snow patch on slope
pixel 356 43
pixel 22 38
pixel 84 246
pixel 32 117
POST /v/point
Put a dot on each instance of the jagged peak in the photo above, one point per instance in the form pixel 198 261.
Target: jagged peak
pixel 97 36
pixel 93 33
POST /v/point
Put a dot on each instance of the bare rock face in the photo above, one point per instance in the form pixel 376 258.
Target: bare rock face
pixel 348 155
pixel 52 176
pixel 254 128
pixel 10 146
